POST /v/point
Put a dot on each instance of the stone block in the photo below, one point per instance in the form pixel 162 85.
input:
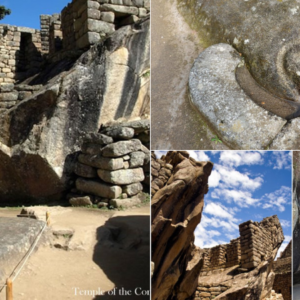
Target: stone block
pixel 91 14
pixel 90 148
pixel 119 10
pixel 6 87
pixel 101 162
pixel 118 2
pixel 99 26
pixel 133 189
pixel 9 96
pixel 122 177
pixel 136 159
pixel 81 201
pixel 138 3
pixel 107 16
pixel 85 171
pixel 127 2
pixel 98 138
pixel 142 12
pixel 97 188
pixel 88 39
pixel 147 4
pixel 121 148
pixel 125 203
pixel 123 133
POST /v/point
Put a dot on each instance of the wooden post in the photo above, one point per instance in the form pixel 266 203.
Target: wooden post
pixel 9 289
pixel 48 218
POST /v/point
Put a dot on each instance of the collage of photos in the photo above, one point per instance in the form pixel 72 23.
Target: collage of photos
pixel 150 149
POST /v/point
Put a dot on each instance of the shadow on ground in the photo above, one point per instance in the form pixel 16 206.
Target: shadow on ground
pixel 123 253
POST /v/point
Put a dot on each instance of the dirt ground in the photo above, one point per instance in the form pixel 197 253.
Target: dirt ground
pixel 99 261
pixel 174 47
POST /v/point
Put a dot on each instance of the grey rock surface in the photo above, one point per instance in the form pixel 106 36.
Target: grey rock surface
pixel 265 32
pixel 16 237
pixel 215 93
pixel 101 162
pixel 127 176
pixel 288 138
pixel 100 189
pixel 42 134
pixel 121 148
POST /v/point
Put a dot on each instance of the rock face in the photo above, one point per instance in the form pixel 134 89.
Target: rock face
pixel 266 33
pixel 42 134
pixel 215 93
pixel 178 188
pixel 242 269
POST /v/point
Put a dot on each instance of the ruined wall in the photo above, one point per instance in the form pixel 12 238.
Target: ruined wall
pixel 111 166
pixel 86 22
pixel 258 240
pixel 283 273
pixel 20 49
pixel 221 256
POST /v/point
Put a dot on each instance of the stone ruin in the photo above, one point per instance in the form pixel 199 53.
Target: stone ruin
pixel 283 273
pixel 113 166
pixel 54 95
pixel 254 246
pixel 24 51
pixel 243 269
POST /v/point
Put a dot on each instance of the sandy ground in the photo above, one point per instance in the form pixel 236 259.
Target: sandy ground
pixel 174 46
pixel 96 263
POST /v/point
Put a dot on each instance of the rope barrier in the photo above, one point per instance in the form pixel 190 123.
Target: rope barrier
pixel 26 257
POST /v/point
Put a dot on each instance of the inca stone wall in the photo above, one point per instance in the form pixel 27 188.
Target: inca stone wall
pixel 81 24
pixel 283 274
pixel 113 166
pixel 20 49
pixel 209 291
pixel 258 240
pixel 86 22
pixel 222 256
pixel 255 244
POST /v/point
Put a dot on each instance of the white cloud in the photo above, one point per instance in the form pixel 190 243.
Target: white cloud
pixel 235 179
pixel 199 155
pixel 278 199
pixel 241 198
pixel 218 210
pixel 205 238
pixel 282 160
pixel 215 222
pixel 285 223
pixel 238 158
pixel 214 179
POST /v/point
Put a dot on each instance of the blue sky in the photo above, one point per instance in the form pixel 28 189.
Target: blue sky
pixel 244 185
pixel 27 12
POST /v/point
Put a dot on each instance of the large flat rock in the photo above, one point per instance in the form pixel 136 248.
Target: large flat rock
pixel 217 96
pixel 16 237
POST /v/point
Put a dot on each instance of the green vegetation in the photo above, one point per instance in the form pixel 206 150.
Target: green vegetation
pixel 4 12
pixel 216 140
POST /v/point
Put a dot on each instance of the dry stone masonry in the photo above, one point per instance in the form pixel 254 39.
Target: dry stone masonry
pixel 112 166
pixel 82 23
pixel 283 273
